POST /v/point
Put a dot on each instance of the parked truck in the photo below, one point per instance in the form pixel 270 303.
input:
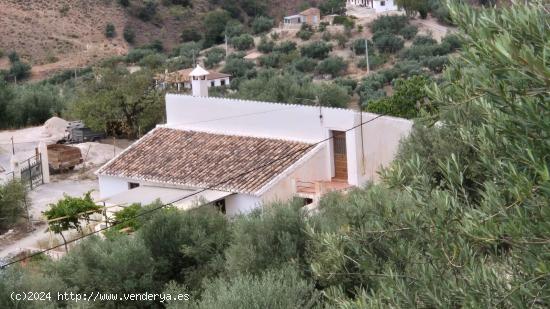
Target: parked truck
pixel 63 157
pixel 77 132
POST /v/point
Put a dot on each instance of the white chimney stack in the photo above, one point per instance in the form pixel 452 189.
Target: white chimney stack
pixel 199 82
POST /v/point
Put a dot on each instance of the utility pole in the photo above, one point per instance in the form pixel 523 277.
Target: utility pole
pixel 226 47
pixel 367 54
pixel 12 146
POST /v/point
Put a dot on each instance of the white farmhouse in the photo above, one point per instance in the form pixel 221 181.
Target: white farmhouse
pixel 248 153
pixel 377 6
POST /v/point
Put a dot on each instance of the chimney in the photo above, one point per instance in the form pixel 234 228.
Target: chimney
pixel 199 82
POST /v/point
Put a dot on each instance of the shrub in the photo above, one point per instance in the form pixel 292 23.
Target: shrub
pixel 214 25
pixel 389 23
pixel 333 66
pixel 333 95
pixel 322 26
pixel 375 61
pixel 424 40
pixel 19 70
pixel 417 52
pixel 408 32
pixel 156 45
pixel 13 57
pixel 317 50
pixel 305 64
pixel 272 60
pixel 129 35
pixel 190 35
pixel 341 39
pixel 453 40
pixel 305 33
pixel 153 61
pixel 327 36
pixel 110 30
pixel 348 83
pixel 238 67
pixel 135 55
pixel 275 36
pixel 436 63
pixel 243 42
pixel 124 3
pixel 359 47
pixel 262 24
pixel 254 236
pixel 388 43
pixel 214 56
pixel 277 289
pixel 266 46
pixel 147 10
pixel 234 29
pixel 12 204
pixel 285 47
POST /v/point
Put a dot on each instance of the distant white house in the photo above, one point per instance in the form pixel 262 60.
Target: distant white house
pixel 247 153
pixel 181 79
pixel 311 16
pixel 377 6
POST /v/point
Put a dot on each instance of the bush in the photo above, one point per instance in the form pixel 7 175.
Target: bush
pixel 285 47
pixel 266 46
pixel 341 39
pixel 280 226
pixel 153 61
pixel 327 36
pixel 424 40
pixel 375 61
pixel 129 35
pixel 333 95
pixel 322 26
pixel 214 56
pixel 124 3
pixel 262 24
pixel 305 33
pixel 388 43
pixel 110 30
pixel 214 25
pixel 453 41
pixel 13 197
pixel 359 47
pixel 277 289
pixel 272 60
pixel 243 42
pixel 234 29
pixel 389 23
pixel 147 10
pixel 156 45
pixel 238 67
pixel 436 63
pixel 190 35
pixel 317 50
pixel 19 70
pixel 333 66
pixel 13 57
pixel 135 55
pixel 305 64
pixel 408 32
pixel 348 83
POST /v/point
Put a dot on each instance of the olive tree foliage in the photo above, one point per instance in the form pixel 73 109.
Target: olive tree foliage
pixel 119 99
pixel 13 197
pixel 462 216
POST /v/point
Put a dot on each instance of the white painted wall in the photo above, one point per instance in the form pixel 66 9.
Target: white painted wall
pixel 241 204
pixel 109 185
pixel 389 5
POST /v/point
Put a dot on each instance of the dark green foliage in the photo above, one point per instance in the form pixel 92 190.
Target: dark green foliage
pixel 110 31
pixel 322 26
pixel 155 45
pixel 305 64
pixel 13 57
pixel 265 46
pixel 239 67
pixel 333 95
pixel 333 66
pixel 129 34
pixel 348 83
pixel 254 237
pixel 135 55
pixel 407 100
pixel 153 61
pixel 388 43
pixel 408 32
pixel 147 10
pixel 341 38
pixel 375 61
pixel 261 24
pixel 33 104
pixel 272 60
pixel 186 246
pixel 389 23
pixel 214 27
pixel 424 40
pixel 332 7
pixel 305 33
pixel 214 56
pixel 243 42
pixel 317 50
pixel 453 41
pixel 234 28
pixel 285 47
pixel 126 218
pixel 436 63
pixel 13 197
pixel 359 47
pixel 19 70
pixel 190 35
pixel 124 3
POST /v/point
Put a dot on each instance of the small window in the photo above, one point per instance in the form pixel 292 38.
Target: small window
pixel 133 185
pixel 212 83
pixel 382 3
pixel 220 205
pixel 223 82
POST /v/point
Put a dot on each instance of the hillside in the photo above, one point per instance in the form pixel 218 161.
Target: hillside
pixel 55 35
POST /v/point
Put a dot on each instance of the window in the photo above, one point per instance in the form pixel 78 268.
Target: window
pixel 382 3
pixel 223 82
pixel 132 185
pixel 212 83
pixel 220 205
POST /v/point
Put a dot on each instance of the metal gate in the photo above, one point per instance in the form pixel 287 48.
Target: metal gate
pixel 31 171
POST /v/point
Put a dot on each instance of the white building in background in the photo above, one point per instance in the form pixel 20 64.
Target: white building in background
pixel 245 154
pixel 182 79
pixel 377 6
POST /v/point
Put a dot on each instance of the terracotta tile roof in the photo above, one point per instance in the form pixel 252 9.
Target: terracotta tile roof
pixel 202 160
pixel 311 11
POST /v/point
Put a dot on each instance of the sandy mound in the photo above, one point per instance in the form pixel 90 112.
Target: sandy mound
pixel 96 153
pixel 55 125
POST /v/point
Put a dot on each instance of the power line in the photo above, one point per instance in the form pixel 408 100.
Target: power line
pixel 187 196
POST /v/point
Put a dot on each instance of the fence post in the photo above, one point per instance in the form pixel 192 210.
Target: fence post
pixel 44 161
pixel 15 168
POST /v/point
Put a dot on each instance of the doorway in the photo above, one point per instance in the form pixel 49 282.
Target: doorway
pixel 340 156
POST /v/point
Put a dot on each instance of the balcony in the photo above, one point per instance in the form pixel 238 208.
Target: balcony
pixel 315 189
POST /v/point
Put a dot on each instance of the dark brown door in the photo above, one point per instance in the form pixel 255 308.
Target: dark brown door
pixel 340 155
